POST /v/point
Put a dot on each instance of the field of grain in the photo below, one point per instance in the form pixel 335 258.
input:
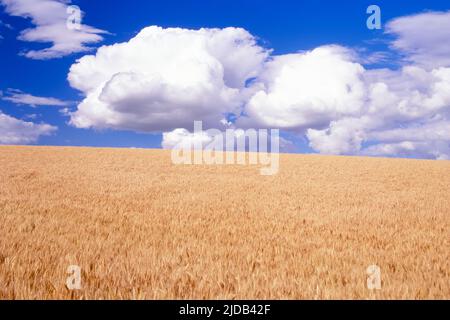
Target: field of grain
pixel 142 228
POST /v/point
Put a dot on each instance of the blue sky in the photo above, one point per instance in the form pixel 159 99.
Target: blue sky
pixel 284 26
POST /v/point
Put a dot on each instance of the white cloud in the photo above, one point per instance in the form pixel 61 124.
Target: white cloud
pixel 424 139
pixel 341 137
pixel 344 107
pixel 305 90
pixel 410 105
pixel 183 139
pixel 423 38
pixel 433 130
pixel 439 150
pixel 166 78
pixel 15 131
pixel 65 112
pixel 19 97
pixel 49 18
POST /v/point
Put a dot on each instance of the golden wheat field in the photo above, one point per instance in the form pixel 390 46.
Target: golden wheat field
pixel 140 227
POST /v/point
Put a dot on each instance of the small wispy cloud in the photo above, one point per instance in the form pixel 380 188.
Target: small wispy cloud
pixel 16 131
pixel 422 38
pixel 66 112
pixel 6 25
pixel 366 57
pixel 49 18
pixel 22 98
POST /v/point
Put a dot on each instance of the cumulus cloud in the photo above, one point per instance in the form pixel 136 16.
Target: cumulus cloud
pixel 50 26
pixel 183 139
pixel 423 38
pixel 16 131
pixel 424 139
pixel 346 109
pixel 438 150
pixel 305 90
pixel 166 78
pixel 341 137
pixel 22 98
pixel 410 105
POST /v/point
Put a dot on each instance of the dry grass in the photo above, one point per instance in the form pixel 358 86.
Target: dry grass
pixel 140 227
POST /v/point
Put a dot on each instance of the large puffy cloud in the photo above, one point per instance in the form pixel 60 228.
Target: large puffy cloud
pixel 406 113
pixel 423 38
pixel 166 78
pixel 305 90
pixel 16 131
pixel 346 109
pixel 50 20
pixel 341 137
pixel 183 139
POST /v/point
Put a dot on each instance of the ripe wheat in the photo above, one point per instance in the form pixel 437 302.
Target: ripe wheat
pixel 142 228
